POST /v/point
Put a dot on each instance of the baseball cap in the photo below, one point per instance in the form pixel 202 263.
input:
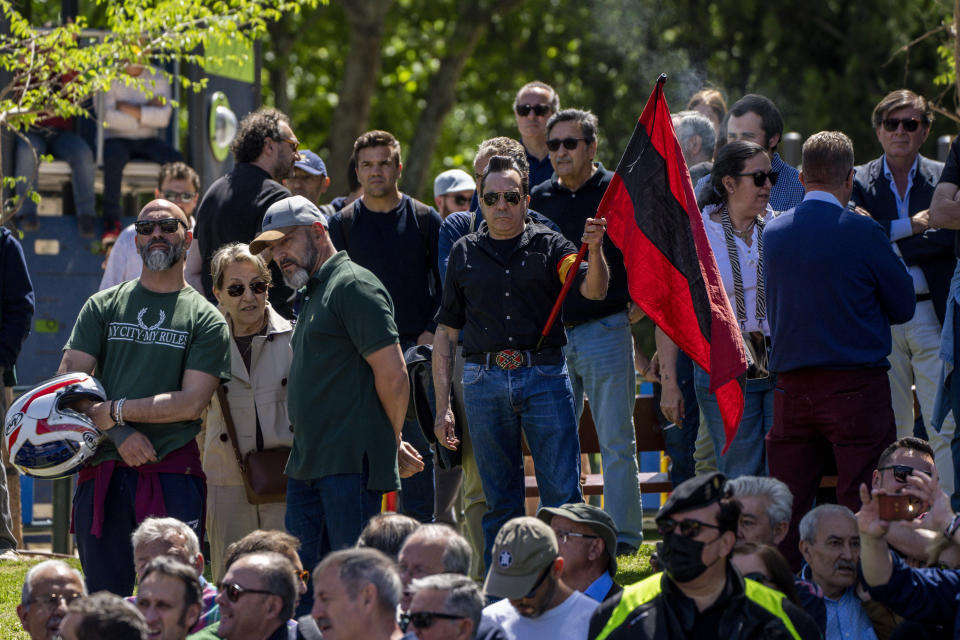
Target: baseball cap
pixel 453 180
pixel 282 216
pixel 595 518
pixel 311 163
pixel 522 550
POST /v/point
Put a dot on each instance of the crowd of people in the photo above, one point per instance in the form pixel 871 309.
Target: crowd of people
pixel 295 361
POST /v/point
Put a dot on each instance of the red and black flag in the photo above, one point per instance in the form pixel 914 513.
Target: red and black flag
pixel 652 216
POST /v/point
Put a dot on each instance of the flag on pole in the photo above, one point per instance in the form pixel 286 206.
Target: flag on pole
pixel 652 216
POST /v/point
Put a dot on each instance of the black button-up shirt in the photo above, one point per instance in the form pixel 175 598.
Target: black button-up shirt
pixel 503 302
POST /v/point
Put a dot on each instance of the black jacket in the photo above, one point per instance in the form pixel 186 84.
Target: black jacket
pixel 16 299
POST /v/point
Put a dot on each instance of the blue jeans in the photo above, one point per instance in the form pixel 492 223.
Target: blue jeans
pixel 599 357
pixel 117 152
pixel 746 455
pixel 680 440
pixel 62 145
pixel 327 514
pixel 538 402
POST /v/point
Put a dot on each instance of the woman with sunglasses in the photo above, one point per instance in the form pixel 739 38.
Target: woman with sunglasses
pixel 256 398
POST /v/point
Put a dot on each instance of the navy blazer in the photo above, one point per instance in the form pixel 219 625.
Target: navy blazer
pixel 931 251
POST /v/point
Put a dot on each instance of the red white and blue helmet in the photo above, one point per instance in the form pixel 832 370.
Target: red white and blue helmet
pixel 45 437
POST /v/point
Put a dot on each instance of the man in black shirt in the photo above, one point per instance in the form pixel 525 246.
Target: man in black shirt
pixel 501 284
pixel 232 208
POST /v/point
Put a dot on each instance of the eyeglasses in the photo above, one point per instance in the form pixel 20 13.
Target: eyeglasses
pixel 425 619
pixel 536 585
pixel 460 200
pixel 293 142
pixel 52 601
pixel 568 143
pixel 902 471
pixel 759 177
pixel 303 575
pixel 909 124
pixel 538 109
pixel 233 591
pixel 178 196
pixel 258 287
pixel 563 536
pixel 688 528
pixel 167 225
pixel 491 198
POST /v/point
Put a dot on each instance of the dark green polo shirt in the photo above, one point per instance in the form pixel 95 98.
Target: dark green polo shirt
pixel 337 417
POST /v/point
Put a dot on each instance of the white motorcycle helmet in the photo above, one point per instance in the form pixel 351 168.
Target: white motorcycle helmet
pixel 45 437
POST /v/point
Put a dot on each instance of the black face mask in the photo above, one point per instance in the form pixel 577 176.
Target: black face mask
pixel 681 557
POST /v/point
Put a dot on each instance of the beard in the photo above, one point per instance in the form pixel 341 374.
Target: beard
pixel 157 259
pixel 300 276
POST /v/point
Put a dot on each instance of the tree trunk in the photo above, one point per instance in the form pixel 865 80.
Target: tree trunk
pixel 472 22
pixel 360 74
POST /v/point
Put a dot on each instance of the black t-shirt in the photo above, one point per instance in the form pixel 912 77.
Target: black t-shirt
pixel 951 175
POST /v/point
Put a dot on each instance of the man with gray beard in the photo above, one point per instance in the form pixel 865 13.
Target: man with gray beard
pixel 348 386
pixel 159 349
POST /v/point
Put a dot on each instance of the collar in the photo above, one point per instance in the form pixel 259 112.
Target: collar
pixel 889 175
pixel 776 162
pixel 599 588
pixel 593 181
pixel 822 196
pixel 275 322
pixel 323 273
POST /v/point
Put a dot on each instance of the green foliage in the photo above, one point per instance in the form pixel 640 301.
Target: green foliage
pixel 634 568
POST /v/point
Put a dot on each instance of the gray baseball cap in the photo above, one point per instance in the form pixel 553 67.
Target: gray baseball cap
pixel 282 217
pixel 453 180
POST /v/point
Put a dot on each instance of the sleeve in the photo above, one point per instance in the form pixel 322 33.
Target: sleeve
pixel 88 332
pixel 367 313
pixel 564 255
pixel 113 117
pixel 454 227
pixel 210 343
pixel 156 86
pixel 894 285
pixel 899 229
pixel 336 231
pixel 119 263
pixel 923 595
pixel 951 169
pixel 16 301
pixel 803 623
pixel 452 312
pixel 434 275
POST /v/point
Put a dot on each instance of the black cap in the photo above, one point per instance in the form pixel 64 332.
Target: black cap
pixel 696 492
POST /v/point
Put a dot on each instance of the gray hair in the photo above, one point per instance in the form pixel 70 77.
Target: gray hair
pixel 463 595
pixel 235 252
pixel 537 84
pixel 587 120
pixel 694 123
pixel 359 567
pixel 456 555
pixel 156 529
pixel 60 566
pixel 779 498
pixel 808 525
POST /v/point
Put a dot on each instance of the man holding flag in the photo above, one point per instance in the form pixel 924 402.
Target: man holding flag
pixel 501 282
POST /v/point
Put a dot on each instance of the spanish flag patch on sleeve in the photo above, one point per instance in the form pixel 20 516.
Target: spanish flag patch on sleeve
pixel 565 265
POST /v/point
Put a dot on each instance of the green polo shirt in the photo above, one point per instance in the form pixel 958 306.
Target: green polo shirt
pixel 338 420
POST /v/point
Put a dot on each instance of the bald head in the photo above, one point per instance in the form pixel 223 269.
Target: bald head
pixel 163 206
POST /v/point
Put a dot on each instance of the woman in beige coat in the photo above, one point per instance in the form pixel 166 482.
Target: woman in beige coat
pixel 256 394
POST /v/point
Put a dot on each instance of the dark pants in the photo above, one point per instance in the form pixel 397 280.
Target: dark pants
pixel 108 560
pixel 417 491
pixel 680 439
pixel 117 152
pixel 820 413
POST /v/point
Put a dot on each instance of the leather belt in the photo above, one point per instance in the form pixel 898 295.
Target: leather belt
pixel 923 297
pixel 510 359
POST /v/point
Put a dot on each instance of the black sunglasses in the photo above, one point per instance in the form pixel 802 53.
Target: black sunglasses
pixel 909 124
pixel 491 198
pixel 460 200
pixel 538 109
pixel 568 143
pixel 167 225
pixel 759 177
pixel 425 619
pixel 258 287
pixel 233 591
pixel 902 471
pixel 182 197
pixel 688 528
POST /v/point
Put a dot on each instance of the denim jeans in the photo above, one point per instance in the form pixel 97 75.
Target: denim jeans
pixel 117 152
pixel 538 402
pixel 745 457
pixel 599 357
pixel 680 439
pixel 327 514
pixel 62 145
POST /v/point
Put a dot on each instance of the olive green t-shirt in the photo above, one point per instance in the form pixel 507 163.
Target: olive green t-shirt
pixel 337 417
pixel 143 342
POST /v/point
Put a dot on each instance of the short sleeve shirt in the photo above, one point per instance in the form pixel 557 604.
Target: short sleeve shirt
pixel 143 343
pixel 338 421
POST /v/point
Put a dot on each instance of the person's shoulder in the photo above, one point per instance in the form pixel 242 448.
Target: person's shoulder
pixel 499 611
pixel 865 173
pixel 458 220
pixel 543 189
pixel 207 633
pixel 931 167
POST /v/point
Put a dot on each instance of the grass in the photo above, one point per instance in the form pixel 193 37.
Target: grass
pixel 634 568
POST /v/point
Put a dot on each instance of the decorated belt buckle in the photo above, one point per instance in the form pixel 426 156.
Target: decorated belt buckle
pixel 509 359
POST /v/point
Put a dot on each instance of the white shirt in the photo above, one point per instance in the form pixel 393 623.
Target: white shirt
pixel 901 228
pixel 749 260
pixel 124 262
pixel 568 620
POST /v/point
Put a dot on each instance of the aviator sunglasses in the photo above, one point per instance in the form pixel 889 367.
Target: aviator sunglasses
pixel 167 225
pixel 759 177
pixel 538 109
pixel 258 287
pixel 909 124
pixel 568 143
pixel 491 198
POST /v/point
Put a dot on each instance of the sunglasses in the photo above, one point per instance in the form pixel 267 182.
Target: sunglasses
pixel 258 287
pixel 563 536
pixel 293 142
pixel 303 575
pixel 491 198
pixel 909 124
pixel 425 619
pixel 568 143
pixel 52 601
pixel 460 200
pixel 902 471
pixel 759 177
pixel 538 109
pixel 178 196
pixel 167 225
pixel 688 528
pixel 233 591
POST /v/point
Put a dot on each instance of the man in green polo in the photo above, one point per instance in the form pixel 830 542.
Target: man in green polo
pixel 348 388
